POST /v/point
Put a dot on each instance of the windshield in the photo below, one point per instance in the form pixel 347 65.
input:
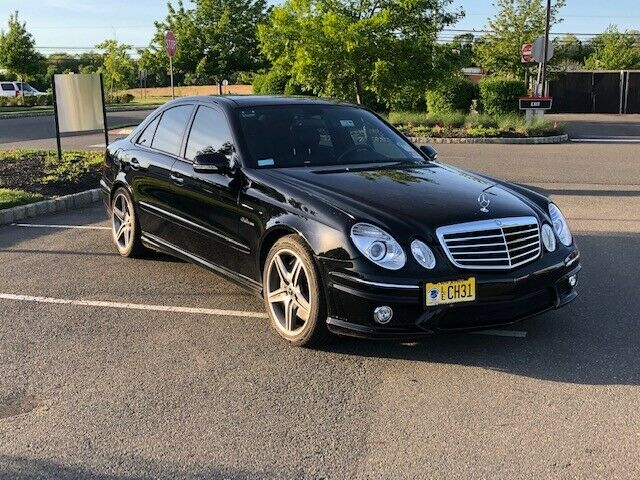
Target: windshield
pixel 317 135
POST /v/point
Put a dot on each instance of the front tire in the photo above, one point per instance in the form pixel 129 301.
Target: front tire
pixel 125 228
pixel 293 293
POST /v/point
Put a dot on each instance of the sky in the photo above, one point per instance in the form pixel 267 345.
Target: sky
pixel 58 25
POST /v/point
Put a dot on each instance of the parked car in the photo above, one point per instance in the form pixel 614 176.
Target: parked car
pixel 336 219
pixel 14 89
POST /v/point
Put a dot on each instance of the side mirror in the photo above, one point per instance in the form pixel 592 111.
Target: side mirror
pixel 430 152
pixel 211 162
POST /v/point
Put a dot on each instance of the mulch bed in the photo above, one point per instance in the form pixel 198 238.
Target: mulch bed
pixel 28 173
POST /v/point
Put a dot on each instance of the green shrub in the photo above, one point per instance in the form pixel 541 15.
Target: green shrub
pixel 119 98
pixel 27 101
pixel 453 95
pixel 500 95
pixel 270 83
pixel 481 121
pixel 430 120
pixel 456 124
pixel 408 98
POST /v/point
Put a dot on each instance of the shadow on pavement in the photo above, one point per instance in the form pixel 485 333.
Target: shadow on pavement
pixel 593 341
pixel 21 468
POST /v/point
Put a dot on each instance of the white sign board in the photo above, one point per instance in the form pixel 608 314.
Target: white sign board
pixel 79 102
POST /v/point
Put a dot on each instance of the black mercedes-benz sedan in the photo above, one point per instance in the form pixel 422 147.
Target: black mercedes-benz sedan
pixel 337 220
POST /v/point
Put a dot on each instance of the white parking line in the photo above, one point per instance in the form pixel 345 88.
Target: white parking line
pixel 502 333
pixel 132 306
pixel 605 140
pixel 78 227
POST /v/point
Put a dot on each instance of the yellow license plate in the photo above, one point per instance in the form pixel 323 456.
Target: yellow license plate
pixel 450 292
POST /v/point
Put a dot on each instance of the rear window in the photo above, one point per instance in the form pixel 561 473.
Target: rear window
pixel 168 137
pixel 8 87
pixel 28 88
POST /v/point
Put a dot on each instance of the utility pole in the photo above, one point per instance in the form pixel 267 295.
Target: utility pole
pixel 546 50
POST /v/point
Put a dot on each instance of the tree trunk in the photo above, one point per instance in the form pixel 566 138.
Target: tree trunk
pixel 358 92
pixel 220 87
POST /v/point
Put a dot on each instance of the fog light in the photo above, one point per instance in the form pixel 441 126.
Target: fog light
pixel 383 315
pixel 573 280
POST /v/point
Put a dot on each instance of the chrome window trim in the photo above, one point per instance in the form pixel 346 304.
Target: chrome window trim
pixel 488 225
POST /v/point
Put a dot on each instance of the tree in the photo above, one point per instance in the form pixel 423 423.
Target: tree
pixel 615 51
pixel 228 37
pixel 17 50
pixel 216 40
pixel 180 21
pixel 570 52
pixel 384 50
pixel 464 45
pixel 118 68
pixel 516 23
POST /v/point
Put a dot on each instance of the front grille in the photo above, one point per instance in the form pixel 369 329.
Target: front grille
pixel 497 244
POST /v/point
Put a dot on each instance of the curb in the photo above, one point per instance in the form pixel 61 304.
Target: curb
pixel 55 205
pixel 497 140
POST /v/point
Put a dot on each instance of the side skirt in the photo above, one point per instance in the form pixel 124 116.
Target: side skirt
pixel 156 243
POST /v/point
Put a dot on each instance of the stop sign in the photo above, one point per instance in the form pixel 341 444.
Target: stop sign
pixel 527 53
pixel 171 44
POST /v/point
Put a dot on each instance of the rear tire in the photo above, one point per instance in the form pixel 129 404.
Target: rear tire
pixel 125 228
pixel 293 293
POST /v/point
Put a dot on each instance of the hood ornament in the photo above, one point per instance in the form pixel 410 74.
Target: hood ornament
pixel 484 202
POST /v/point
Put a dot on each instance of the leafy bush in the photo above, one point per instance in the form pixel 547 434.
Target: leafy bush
pixel 119 98
pixel 453 95
pixel 418 119
pixel 500 95
pixel 481 121
pixel 407 98
pixel 456 124
pixel 27 101
pixel 270 83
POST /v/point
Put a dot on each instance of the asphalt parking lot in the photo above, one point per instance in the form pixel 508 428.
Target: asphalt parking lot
pixel 123 369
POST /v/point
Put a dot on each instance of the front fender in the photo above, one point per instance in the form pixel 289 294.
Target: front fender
pixel 324 240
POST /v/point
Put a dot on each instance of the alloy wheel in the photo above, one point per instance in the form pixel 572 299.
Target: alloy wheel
pixel 122 222
pixel 288 293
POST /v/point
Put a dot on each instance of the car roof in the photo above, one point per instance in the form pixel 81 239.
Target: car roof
pixel 244 101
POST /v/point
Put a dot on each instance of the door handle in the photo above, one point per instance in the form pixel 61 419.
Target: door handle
pixel 177 179
pixel 134 163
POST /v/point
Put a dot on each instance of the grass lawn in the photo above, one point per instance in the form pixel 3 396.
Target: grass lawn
pixel 10 197
pixel 27 176
pixel 150 101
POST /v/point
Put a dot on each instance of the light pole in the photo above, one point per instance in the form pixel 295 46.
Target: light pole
pixel 546 49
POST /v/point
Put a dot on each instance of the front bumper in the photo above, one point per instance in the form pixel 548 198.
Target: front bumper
pixel 502 299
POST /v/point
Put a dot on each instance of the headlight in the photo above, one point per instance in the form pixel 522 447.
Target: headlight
pixel 423 254
pixel 548 238
pixel 378 246
pixel 560 225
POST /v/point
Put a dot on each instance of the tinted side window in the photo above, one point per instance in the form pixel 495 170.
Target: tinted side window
pixel 209 133
pixel 8 87
pixel 168 136
pixel 147 136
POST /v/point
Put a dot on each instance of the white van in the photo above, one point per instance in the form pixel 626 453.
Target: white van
pixel 12 89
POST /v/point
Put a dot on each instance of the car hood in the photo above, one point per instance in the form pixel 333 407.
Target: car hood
pixel 420 197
